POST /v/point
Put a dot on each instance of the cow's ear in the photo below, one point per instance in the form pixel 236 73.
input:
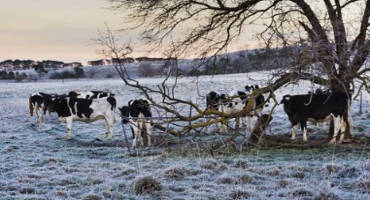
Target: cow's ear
pixel 129 103
pixel 285 99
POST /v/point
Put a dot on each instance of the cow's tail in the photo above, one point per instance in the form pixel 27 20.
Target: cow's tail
pixel 112 102
pixel 31 106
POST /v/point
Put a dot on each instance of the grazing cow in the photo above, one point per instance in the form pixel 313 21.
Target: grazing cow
pixel 136 113
pixel 38 103
pixel 317 107
pixel 240 101
pixel 231 105
pixel 90 95
pixel 85 110
pixel 234 103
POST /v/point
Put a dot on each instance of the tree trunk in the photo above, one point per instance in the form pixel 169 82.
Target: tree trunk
pixel 259 128
pixel 341 85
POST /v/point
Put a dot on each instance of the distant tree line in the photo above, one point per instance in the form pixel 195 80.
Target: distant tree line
pixel 77 72
pixel 31 64
pixel 4 75
pixel 243 62
pixel 262 59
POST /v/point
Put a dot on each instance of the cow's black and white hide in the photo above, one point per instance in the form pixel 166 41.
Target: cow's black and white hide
pixel 238 100
pixel 85 110
pixel 234 103
pixel 136 114
pixel 317 107
pixel 259 101
pixel 90 94
pixel 38 104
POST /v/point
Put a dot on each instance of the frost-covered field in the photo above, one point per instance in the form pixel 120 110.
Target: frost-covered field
pixel 39 163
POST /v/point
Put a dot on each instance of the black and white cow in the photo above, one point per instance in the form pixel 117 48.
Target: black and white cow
pixel 317 107
pixel 85 110
pixel 90 94
pixel 136 113
pixel 237 101
pixel 38 104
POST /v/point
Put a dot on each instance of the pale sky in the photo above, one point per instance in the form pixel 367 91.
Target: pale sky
pixel 61 29
pixel 53 29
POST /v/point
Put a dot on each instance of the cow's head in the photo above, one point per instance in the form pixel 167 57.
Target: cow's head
pixel 287 103
pixel 212 100
pixel 47 100
pixel 286 99
pixel 125 113
pixel 224 99
pixel 248 88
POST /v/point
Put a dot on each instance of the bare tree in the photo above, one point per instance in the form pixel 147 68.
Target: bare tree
pixel 327 41
pixel 174 115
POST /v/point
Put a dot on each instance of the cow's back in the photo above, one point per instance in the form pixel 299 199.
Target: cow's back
pixel 318 106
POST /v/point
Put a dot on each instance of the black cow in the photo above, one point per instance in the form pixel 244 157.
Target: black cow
pixel 136 113
pixel 86 110
pixel 317 107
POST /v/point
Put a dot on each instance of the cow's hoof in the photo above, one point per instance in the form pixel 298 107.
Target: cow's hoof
pixel 105 135
pixel 69 138
pixel 333 141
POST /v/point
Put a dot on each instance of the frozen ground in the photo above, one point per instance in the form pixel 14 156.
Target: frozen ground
pixel 39 163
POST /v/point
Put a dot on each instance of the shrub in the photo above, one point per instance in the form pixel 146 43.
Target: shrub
pixel 144 185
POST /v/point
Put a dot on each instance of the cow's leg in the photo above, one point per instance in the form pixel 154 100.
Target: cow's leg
pixel 217 125
pixel 237 124
pixel 223 126
pixel 111 130
pixel 109 122
pixel 294 131
pixel 69 127
pixel 148 128
pixel 132 132
pixel 337 126
pixel 42 117
pixel 250 123
pixel 141 130
pixel 244 121
pixel 342 130
pixel 304 130
pixel 38 122
pixel 106 128
pixel 136 134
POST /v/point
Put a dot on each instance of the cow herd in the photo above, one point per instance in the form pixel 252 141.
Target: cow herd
pixel 89 107
pixel 315 107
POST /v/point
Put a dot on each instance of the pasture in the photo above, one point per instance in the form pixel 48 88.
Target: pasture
pixel 39 163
